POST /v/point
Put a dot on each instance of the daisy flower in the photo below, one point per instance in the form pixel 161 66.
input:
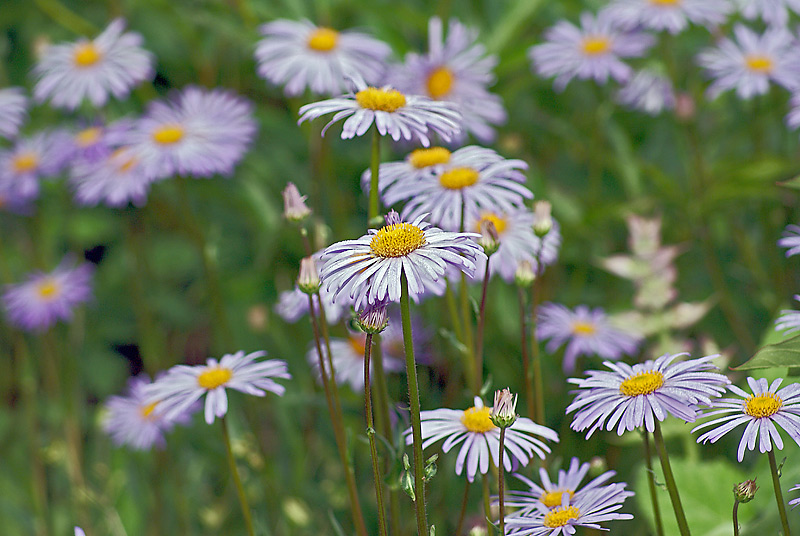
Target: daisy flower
pixel 475 178
pixel 789 319
pixel 369 269
pixel 45 298
pixel 586 332
pixel 394 113
pixel 773 12
pixel 457 70
pixel 197 132
pixel 636 395
pixel 670 15
pixel 791 235
pixel 183 385
pixel 647 92
pixel 592 50
pixel 129 420
pixel 551 494
pixel 749 63
pixel 116 180
pixel 96 141
pixel 31 159
pixel 13 111
pixel 762 410
pixel 517 241
pixel 417 164
pixel 481 438
pixel 348 361
pixel 112 63
pixel 795 502
pixel 300 55
pixel 591 509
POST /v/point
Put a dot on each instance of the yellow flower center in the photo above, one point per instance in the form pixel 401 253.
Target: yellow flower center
pixel 382 100
pixel 48 289
pixel 168 134
pixel 498 221
pixel 764 405
pixel 86 54
pixel 214 377
pixel 358 344
pixel 323 39
pixel 148 409
pixel 665 2
pixel 584 329
pixel 123 159
pixel 460 177
pixel 422 158
pixel 759 63
pixel 397 240
pixel 477 419
pixel 88 136
pixel 560 516
pixel 643 383
pixel 553 498
pixel 25 162
pixel 440 82
pixel 594 46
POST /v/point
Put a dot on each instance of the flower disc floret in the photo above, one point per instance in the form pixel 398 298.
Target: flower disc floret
pixel 214 377
pixel 458 178
pixel 423 158
pixel 643 383
pixel 595 45
pixel 763 405
pixel 397 240
pixel 323 39
pixel 86 54
pixel 561 516
pixel 477 419
pixel 440 82
pixel 497 220
pixel 168 134
pixel 384 100
pixel 554 499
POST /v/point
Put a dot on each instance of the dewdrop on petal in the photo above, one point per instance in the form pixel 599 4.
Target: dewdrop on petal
pixel 308 280
pixel 504 411
pixel 744 492
pixel 294 204
pixel 544 220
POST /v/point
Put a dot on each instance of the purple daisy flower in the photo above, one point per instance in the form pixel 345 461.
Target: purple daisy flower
pixel 670 15
pixel 591 509
pixel 395 114
pixel 517 242
pixel 116 180
pixel 592 50
pixel 789 319
pixel 183 385
pixel 648 92
pixel 45 298
pixel 751 62
pixel 131 421
pixel 586 332
pixel 773 12
pixel 198 132
pixel 112 63
pixel 637 395
pixel 13 111
pixel 300 55
pixel 456 70
pixel 481 438
pixel 791 236
pixel 31 159
pixel 761 411
pixel 369 269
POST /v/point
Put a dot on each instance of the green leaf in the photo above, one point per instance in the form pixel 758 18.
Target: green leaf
pixel 782 354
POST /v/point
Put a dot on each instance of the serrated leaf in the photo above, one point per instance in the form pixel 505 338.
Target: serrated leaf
pixel 782 354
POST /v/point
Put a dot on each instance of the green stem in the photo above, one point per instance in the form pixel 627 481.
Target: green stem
pixel 413 397
pixel 463 509
pixel 776 484
pixel 651 482
pixel 526 358
pixel 466 323
pixel 487 509
pixel 479 337
pixel 66 17
pixel 248 518
pixel 385 426
pixel 672 488
pixel 375 166
pixel 735 517
pixel 537 361
pixel 500 483
pixel 376 472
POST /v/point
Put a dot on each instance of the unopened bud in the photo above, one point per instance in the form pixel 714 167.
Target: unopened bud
pixel 478 530
pixel 258 317
pixel 489 240
pixel 406 480
pixel 392 218
pixel 308 280
pixel 294 204
pixel 430 468
pixel 504 411
pixel 525 275
pixel 684 106
pixel 597 466
pixel 543 220
pixel 373 318
pixel 745 491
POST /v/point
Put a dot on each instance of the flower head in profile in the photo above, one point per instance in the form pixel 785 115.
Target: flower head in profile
pixel 585 331
pixel 474 179
pixel 183 385
pixel 589 510
pixel 299 55
pixel 294 204
pixel 47 297
pixel 763 411
pixel 750 62
pixel 457 70
pixel 369 269
pixel 772 12
pixel 197 132
pixel 670 15
pixel 129 420
pixel 789 320
pixel 630 396
pixel 592 50
pixel 110 64
pixel 481 438
pixel 395 114
pixel 791 237
pixel 13 111
pixel 31 159
pixel 648 92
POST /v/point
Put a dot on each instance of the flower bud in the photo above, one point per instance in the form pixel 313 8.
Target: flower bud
pixel 543 221
pixel 503 412
pixel 525 275
pixel 372 319
pixel 745 491
pixel 489 240
pixel 308 280
pixel 294 204
pixel 597 466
